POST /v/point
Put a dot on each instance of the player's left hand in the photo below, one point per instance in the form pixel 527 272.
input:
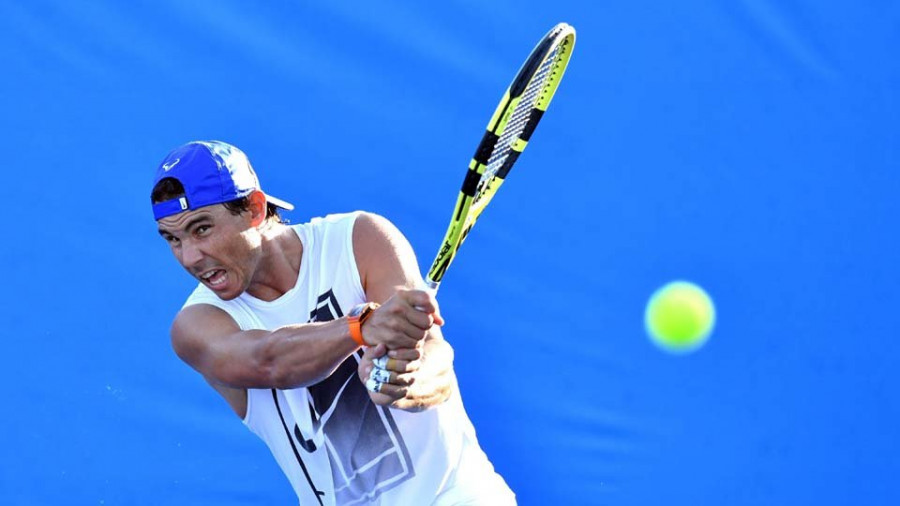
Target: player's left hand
pixel 389 375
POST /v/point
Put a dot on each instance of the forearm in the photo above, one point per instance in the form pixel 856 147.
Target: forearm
pixel 300 355
pixel 303 355
pixel 289 357
pixel 292 356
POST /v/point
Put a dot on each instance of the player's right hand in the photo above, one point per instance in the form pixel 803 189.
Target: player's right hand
pixel 402 321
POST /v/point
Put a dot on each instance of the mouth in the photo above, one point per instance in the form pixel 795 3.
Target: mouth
pixel 215 278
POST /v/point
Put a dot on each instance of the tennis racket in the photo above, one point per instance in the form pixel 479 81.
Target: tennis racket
pixel 507 135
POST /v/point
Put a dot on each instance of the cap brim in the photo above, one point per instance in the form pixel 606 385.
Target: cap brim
pixel 278 202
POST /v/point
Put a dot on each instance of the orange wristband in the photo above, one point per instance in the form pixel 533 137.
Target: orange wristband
pixel 358 315
pixel 356 330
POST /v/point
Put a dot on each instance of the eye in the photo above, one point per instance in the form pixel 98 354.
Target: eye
pixel 172 240
pixel 202 229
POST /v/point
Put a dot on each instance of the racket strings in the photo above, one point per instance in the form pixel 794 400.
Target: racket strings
pixel 516 123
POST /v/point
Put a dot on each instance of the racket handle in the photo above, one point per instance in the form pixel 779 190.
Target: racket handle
pixel 430 286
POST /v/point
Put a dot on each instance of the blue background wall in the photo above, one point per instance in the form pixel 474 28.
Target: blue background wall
pixel 750 146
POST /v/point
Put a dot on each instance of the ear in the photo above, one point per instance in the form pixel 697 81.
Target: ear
pixel 258 208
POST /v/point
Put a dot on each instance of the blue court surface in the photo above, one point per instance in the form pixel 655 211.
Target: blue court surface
pixel 748 146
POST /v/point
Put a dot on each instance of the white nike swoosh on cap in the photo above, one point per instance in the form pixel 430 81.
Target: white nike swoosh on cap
pixel 168 166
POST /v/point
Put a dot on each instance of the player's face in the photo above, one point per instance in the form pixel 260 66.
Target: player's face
pixel 218 248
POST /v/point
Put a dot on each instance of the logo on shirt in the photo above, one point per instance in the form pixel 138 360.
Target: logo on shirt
pixel 365 448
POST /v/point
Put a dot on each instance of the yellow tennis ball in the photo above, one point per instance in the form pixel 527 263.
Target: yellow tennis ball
pixel 679 317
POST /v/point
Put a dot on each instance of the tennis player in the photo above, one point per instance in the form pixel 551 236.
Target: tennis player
pixel 292 323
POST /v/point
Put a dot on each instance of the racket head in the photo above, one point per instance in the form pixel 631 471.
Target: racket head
pixel 507 134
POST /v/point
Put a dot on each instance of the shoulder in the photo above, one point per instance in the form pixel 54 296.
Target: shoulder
pixel 195 326
pixel 376 235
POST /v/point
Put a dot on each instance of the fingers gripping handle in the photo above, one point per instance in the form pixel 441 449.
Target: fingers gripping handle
pixel 379 374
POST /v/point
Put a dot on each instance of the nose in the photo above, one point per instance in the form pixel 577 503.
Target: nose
pixel 191 256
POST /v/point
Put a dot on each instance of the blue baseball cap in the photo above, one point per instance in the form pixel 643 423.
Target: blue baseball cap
pixel 212 172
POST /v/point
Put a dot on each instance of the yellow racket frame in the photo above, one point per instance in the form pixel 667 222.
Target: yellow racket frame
pixel 558 44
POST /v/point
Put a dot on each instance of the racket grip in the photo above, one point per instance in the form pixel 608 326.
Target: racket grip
pixel 430 286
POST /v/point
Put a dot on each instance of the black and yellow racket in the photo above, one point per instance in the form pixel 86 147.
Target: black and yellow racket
pixel 508 132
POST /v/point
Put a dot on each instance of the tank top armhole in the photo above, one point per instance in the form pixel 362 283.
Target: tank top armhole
pixel 248 418
pixel 356 277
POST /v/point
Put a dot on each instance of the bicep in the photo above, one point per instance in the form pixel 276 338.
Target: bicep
pixel 384 257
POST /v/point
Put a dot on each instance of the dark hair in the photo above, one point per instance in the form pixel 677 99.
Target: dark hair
pixel 170 188
pixel 242 205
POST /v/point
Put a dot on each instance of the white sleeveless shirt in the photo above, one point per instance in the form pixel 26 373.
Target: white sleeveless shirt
pixel 334 444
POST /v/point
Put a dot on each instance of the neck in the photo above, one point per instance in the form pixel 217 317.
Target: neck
pixel 279 265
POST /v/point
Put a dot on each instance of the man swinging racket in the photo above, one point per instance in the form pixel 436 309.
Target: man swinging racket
pixel 292 323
